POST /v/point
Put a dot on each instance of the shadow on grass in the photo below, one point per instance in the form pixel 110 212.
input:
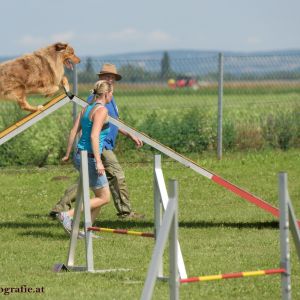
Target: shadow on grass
pixel 46 235
pixel 126 224
pixel 26 225
pixel 238 225
pixel 47 222
pixel 37 216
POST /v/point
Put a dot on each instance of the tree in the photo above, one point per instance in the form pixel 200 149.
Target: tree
pixel 88 74
pixel 89 65
pixel 136 73
pixel 165 66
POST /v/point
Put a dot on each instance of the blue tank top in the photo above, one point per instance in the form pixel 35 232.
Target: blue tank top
pixel 86 127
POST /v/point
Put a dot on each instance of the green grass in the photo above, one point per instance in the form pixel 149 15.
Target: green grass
pixel 237 105
pixel 218 231
pixel 250 121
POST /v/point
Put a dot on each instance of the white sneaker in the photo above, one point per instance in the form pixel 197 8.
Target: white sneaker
pixel 66 221
pixel 81 235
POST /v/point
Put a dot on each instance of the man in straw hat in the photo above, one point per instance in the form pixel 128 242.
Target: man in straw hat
pixel 113 169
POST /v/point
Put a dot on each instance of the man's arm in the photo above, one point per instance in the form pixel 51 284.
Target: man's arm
pixel 135 139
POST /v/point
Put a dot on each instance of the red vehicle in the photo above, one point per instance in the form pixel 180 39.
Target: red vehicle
pixel 186 81
pixel 182 82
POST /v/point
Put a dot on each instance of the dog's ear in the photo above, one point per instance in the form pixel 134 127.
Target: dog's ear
pixel 60 46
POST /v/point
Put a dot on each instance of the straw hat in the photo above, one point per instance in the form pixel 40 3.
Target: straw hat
pixel 110 69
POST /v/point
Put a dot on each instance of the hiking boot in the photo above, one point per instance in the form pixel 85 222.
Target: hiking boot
pixel 132 216
pixel 53 214
pixel 66 221
pixel 58 208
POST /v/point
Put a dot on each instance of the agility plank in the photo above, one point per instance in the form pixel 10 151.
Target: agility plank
pixel 233 275
pixel 194 166
pixel 32 118
pixel 197 168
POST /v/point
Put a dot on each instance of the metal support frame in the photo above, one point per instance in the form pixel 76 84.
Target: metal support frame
pixel 169 228
pixel 161 200
pixel 82 203
pixel 294 227
pixel 284 238
pixel 287 221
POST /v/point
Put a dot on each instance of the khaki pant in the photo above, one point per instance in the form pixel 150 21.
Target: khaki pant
pixel 117 185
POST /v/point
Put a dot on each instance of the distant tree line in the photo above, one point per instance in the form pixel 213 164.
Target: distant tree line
pixel 134 73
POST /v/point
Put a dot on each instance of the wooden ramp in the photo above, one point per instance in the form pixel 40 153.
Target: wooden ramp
pixel 32 118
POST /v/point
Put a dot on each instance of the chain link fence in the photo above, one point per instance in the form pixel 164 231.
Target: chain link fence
pixel 177 102
pixel 254 90
pixel 264 81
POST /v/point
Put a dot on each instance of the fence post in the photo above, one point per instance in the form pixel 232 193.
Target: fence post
pixel 220 106
pixel 284 238
pixel 75 91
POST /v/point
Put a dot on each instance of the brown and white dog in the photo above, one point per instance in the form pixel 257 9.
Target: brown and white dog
pixel 40 72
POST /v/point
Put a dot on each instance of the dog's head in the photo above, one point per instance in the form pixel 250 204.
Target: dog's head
pixel 68 55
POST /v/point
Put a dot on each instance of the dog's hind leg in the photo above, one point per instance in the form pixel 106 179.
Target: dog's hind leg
pixel 22 101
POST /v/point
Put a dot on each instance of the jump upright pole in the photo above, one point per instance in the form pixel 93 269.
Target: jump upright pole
pixel 284 237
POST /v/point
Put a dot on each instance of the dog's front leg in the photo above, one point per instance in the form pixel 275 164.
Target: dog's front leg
pixel 65 84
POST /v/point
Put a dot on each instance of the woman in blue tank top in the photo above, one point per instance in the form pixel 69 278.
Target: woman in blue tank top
pixel 93 124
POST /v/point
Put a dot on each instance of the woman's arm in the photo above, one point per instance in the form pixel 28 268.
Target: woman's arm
pixel 76 128
pixel 98 118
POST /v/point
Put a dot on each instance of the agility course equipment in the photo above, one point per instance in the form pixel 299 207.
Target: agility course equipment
pixel 170 211
pixel 169 228
pixel 287 220
pixel 194 166
pixel 82 201
pixel 61 100
pixel 161 200
pixel 121 231
pixel 233 275
pixel 34 117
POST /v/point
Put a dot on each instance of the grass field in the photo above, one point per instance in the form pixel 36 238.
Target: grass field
pixel 252 119
pixel 218 231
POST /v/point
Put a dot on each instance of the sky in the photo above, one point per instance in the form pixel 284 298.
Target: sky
pixel 97 28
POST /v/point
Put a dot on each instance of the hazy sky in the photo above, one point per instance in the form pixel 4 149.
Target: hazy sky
pixel 96 27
